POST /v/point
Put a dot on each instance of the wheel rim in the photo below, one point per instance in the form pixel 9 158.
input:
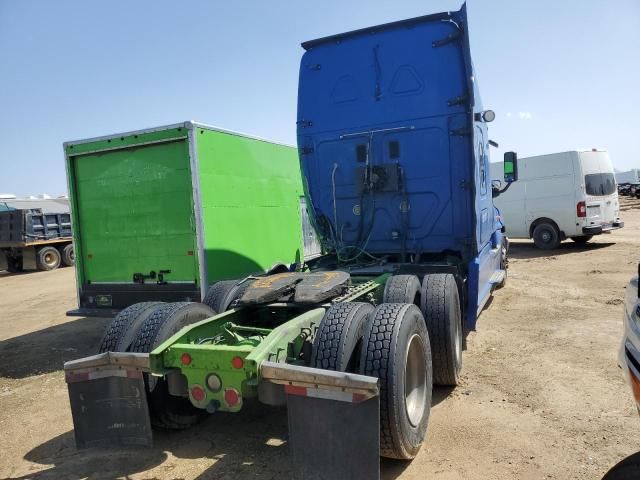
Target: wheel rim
pixel 546 236
pixel 415 380
pixel 49 259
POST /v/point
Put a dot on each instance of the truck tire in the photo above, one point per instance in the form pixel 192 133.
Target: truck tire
pixel 401 289
pixel 582 239
pixel 441 309
pixel 68 256
pixel 48 258
pixel 546 236
pixel 168 411
pixel 338 341
pixel 504 262
pixel 221 294
pixel 396 350
pixel 125 324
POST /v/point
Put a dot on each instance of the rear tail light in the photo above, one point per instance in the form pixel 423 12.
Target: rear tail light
pixel 185 358
pixel 237 362
pixel 581 209
pixel 198 393
pixel 231 397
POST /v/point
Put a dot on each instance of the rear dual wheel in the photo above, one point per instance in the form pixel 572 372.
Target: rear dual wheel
pixel 439 302
pixel 396 349
pixel 390 342
pixel 141 328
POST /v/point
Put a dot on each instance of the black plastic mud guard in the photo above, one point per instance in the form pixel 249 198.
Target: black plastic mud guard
pixel 334 422
pixel 108 400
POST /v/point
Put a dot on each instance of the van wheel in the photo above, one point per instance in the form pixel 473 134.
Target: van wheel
pixel 48 258
pixel 338 341
pixel 166 410
pixel 396 349
pixel 546 236
pixel 441 308
pixel 68 256
pixel 583 239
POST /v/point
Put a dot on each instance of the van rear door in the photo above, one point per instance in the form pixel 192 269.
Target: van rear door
pixel 600 189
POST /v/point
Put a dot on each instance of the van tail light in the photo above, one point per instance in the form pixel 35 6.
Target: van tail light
pixel 581 209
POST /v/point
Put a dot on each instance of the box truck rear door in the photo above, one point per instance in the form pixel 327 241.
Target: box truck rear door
pixel 135 212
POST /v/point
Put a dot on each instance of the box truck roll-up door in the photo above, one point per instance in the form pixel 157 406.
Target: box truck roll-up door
pixel 135 206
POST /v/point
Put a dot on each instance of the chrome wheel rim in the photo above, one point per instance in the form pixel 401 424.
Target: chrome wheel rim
pixel 415 380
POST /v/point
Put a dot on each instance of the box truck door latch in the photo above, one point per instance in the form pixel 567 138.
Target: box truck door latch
pixel 140 277
pixel 161 274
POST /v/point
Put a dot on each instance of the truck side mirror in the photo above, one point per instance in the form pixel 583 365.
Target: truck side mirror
pixel 510 167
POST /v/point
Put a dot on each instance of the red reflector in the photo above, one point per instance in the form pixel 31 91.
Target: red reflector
pixel 237 362
pixel 185 359
pixel 198 394
pixel 231 397
pixel 190 253
pixel 581 209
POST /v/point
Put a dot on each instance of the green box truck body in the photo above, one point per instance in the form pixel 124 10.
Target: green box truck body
pixel 160 214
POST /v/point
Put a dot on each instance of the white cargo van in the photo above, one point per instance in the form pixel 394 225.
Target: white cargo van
pixel 558 196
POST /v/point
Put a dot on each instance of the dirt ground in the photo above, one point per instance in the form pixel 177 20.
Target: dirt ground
pixel 541 396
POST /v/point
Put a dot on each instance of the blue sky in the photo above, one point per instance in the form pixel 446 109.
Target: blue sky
pixel 560 75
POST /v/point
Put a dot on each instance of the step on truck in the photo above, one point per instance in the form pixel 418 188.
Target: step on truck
pixel 162 213
pixel 393 147
pixel 35 236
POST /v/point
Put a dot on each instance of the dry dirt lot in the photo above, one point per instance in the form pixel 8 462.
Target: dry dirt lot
pixel 541 396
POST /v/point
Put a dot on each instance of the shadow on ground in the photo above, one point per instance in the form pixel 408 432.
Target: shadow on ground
pixel 46 350
pixel 248 445
pixel 525 250
pixel 251 444
pixel 627 469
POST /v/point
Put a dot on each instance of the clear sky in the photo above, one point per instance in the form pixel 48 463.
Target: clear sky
pixel 559 74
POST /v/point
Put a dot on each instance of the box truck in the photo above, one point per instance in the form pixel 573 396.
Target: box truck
pixel 162 213
pixel 560 195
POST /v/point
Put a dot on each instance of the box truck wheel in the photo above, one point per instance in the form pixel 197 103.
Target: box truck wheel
pixel 123 327
pixel 168 411
pixel 546 236
pixel 583 239
pixel 402 289
pixel 441 309
pixel 396 350
pixel 68 256
pixel 221 294
pixel 338 341
pixel 48 258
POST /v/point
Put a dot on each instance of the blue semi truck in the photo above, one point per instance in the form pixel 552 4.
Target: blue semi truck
pixel 394 154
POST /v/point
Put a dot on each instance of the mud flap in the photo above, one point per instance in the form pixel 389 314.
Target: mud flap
pixel 334 422
pixel 108 400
